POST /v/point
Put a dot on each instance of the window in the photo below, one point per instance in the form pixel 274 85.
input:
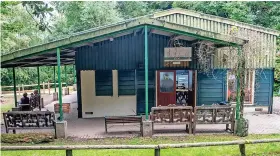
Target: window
pixel 184 79
pixel 103 83
pixel 126 83
pixel 166 82
pixel 232 86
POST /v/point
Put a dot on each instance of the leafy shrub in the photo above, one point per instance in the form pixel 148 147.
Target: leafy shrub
pixel 34 138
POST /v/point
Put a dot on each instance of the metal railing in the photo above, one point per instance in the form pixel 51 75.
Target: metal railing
pixel 157 148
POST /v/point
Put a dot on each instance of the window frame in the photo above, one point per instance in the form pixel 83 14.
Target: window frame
pixel 252 86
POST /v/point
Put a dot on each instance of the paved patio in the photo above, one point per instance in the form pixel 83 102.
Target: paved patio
pixel 259 123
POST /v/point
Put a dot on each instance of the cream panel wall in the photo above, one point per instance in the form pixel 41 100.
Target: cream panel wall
pixel 101 106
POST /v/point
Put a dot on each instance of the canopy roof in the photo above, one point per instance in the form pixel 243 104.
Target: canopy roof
pixel 45 54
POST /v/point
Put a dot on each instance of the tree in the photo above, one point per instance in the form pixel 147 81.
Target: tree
pixel 38 10
pixel 80 15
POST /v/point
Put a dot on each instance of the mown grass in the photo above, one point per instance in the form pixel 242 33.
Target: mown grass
pixel 257 149
pixel 6 107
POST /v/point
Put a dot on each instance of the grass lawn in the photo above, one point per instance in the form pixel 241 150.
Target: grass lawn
pixel 269 149
pixel 6 107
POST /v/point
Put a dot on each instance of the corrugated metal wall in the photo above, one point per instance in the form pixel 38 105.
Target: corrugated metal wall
pixel 125 53
pixel 262 43
pixel 211 88
pixel 141 90
pixel 264 87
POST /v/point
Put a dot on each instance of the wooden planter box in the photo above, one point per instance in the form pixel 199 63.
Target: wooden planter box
pixel 74 87
pixel 42 103
pixel 55 96
pixel 65 108
pixel 66 91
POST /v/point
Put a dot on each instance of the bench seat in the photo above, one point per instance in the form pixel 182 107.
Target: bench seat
pixel 116 120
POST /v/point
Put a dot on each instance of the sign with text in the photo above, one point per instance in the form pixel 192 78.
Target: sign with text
pixel 178 54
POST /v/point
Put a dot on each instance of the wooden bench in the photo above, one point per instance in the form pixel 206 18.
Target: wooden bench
pixel 215 114
pixel 29 120
pixel 170 115
pixel 117 120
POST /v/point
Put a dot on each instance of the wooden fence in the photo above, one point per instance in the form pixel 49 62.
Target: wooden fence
pixel 157 148
pixel 20 88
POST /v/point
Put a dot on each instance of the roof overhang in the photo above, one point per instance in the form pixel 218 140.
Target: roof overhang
pixel 45 54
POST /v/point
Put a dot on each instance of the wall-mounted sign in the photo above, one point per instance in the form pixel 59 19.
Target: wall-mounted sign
pixel 178 54
pixel 177 62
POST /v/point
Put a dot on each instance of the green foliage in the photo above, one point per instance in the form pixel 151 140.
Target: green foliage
pixel 131 9
pixel 18 29
pixel 34 138
pixel 265 14
pixel 80 15
pixel 38 10
pixel 29 75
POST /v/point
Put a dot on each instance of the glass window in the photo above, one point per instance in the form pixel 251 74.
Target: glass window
pixel 232 86
pixel 166 82
pixel 126 82
pixel 103 83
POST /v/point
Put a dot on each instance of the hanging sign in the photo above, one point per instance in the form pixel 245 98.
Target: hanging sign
pixel 178 54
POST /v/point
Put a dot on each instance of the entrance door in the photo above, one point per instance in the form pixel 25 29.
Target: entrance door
pixel 166 87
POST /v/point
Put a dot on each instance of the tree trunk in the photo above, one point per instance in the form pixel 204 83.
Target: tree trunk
pixel 242 85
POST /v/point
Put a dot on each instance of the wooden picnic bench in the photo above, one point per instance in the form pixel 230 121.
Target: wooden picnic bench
pixel 215 114
pixel 117 120
pixel 170 115
pixel 29 120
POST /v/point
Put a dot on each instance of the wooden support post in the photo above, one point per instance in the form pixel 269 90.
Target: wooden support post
pixel 18 89
pixel 15 87
pixel 54 79
pixel 74 74
pixel 38 74
pixel 157 152
pixel 22 88
pixel 44 91
pixel 49 88
pixel 65 75
pixel 69 152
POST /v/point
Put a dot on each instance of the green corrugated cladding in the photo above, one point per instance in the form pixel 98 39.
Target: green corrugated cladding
pixel 211 88
pixel 123 53
pixel 264 81
pixel 140 76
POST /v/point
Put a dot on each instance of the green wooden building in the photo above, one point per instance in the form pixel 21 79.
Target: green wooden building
pixel 128 67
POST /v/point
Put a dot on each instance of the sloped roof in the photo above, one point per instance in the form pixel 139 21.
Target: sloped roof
pixel 45 54
pixel 216 19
